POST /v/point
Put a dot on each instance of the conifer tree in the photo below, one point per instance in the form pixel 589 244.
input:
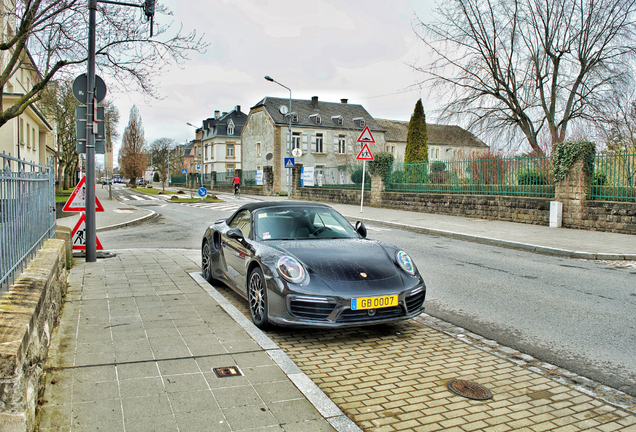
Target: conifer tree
pixel 417 137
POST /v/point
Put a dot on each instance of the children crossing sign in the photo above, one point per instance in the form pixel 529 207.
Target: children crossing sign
pixel 365 154
pixel 78 236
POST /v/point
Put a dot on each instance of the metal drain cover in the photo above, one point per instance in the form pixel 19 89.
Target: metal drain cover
pixel 229 371
pixel 469 390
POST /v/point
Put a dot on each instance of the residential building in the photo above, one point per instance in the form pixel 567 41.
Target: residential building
pixel 220 141
pixel 445 142
pixel 28 136
pixel 325 132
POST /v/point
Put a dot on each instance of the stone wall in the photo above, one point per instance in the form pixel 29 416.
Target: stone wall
pixel 28 313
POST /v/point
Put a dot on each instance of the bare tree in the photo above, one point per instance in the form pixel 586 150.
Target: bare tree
pixel 160 151
pixel 524 66
pixel 618 131
pixel 111 120
pixel 59 104
pixel 133 159
pixel 56 34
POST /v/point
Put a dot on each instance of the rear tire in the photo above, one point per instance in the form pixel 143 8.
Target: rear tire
pixel 257 297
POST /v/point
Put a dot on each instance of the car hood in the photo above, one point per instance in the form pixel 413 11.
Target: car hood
pixel 342 260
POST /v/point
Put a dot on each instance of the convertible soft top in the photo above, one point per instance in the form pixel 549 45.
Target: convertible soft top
pixel 266 204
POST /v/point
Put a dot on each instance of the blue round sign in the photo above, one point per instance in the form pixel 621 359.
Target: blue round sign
pixel 203 192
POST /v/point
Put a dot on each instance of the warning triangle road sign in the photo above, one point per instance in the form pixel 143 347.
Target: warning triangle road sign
pixel 365 136
pixel 77 200
pixel 365 153
pixel 78 236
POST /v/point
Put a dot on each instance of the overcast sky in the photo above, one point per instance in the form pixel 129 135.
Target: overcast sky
pixel 355 49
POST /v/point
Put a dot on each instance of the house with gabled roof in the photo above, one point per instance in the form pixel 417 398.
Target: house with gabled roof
pixel 220 138
pixel 325 132
pixel 445 142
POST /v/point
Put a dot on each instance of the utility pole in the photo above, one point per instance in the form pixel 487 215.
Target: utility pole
pixel 91 108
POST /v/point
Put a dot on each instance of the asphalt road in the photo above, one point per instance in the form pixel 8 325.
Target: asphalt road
pixel 575 314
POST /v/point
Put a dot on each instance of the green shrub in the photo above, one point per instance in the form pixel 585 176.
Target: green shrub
pixel 397 177
pixel 356 177
pixel 437 172
pixel 155 177
pixel 380 164
pixel 600 178
pixel 531 177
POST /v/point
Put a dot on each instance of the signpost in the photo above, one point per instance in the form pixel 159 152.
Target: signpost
pixel 364 155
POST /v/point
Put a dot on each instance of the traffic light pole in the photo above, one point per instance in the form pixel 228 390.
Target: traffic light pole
pixel 91 234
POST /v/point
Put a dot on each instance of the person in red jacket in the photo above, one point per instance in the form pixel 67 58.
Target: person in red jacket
pixel 236 181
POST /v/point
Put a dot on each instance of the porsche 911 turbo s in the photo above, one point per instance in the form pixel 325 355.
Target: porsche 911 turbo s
pixel 303 264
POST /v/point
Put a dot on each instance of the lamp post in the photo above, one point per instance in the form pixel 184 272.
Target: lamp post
pixel 195 151
pixel 289 114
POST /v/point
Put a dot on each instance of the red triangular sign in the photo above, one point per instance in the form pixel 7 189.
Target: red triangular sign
pixel 78 237
pixel 365 153
pixel 77 200
pixel 365 136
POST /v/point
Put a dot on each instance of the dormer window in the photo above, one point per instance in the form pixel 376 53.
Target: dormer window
pixel 338 120
pixel 359 121
pixel 294 117
pixel 230 128
pixel 315 118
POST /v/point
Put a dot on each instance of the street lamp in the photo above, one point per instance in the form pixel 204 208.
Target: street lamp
pixel 289 114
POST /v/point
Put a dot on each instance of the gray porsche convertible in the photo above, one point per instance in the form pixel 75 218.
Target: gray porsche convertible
pixel 303 264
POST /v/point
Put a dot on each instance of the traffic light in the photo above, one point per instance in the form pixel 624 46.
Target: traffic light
pixel 149 8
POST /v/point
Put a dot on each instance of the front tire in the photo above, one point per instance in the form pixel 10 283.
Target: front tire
pixel 257 297
pixel 206 262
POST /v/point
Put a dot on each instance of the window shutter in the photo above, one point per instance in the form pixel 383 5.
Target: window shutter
pixel 335 143
pixel 349 149
pixel 304 141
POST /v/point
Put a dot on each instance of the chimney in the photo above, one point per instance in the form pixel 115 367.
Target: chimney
pixel 217 114
pixel 344 101
pixel 314 102
pixel 237 108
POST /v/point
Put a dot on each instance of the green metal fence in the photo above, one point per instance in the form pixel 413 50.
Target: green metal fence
pixel 613 178
pixel 341 177
pixel 248 178
pixel 224 178
pixel 501 176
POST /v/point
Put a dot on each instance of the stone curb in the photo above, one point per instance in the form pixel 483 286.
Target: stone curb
pixel 598 391
pixel 152 215
pixel 544 250
pixel 312 392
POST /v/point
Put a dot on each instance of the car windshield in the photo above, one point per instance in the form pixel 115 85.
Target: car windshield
pixel 301 224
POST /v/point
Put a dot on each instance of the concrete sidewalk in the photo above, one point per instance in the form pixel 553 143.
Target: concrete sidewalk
pixel 142 346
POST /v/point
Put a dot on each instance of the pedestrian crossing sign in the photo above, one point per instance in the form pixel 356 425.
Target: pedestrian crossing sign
pixel 78 236
pixel 365 154
pixel 289 163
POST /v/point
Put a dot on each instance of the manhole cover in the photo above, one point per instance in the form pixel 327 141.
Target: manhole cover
pixel 469 390
pixel 229 371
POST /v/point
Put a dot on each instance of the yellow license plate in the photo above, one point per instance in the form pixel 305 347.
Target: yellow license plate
pixel 374 302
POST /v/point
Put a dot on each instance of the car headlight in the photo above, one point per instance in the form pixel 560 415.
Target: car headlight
pixel 404 260
pixel 290 269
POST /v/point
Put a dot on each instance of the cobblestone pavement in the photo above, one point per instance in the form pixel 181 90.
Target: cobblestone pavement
pixel 394 377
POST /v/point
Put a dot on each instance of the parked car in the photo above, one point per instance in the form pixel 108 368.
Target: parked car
pixel 303 264
pixel 106 180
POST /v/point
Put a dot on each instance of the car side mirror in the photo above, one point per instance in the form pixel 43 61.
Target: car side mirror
pixel 361 229
pixel 236 234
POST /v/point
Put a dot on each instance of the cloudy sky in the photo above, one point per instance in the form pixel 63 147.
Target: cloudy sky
pixel 355 49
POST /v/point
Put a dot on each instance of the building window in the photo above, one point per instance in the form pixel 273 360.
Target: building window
pixel 359 121
pixel 338 120
pixel 230 150
pixel 230 128
pixel 295 140
pixel 342 144
pixel 258 149
pixel 319 146
pixel 315 118
pixel 229 167
pixel 294 117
